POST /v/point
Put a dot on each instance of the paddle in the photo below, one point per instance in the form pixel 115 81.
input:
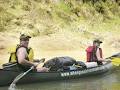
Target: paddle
pixel 13 84
pixel 115 59
pixel 117 55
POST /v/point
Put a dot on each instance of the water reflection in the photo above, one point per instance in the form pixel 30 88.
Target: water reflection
pixel 107 81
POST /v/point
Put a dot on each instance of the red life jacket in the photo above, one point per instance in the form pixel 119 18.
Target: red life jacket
pixel 91 54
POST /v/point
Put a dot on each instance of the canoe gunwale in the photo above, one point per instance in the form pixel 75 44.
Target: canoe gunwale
pixel 107 62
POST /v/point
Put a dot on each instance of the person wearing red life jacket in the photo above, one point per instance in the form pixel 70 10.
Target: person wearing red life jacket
pixel 94 53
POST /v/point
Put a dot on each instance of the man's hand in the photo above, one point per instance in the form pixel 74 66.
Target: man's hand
pixel 107 59
pixel 35 64
pixel 42 60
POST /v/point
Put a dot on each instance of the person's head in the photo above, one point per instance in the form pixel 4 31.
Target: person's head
pixel 24 40
pixel 97 42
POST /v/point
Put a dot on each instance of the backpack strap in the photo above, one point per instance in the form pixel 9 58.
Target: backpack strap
pixel 10 57
pixel 93 54
pixel 28 49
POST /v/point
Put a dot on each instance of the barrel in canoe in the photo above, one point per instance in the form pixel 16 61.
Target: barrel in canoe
pixel 7 76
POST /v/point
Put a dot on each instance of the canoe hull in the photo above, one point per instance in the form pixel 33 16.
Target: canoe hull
pixel 8 76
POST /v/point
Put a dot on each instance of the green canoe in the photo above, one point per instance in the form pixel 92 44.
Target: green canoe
pixel 7 76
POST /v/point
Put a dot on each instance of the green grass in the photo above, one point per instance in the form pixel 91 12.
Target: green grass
pixel 100 17
pixel 64 7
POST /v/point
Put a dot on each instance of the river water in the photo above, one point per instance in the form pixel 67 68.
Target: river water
pixel 107 81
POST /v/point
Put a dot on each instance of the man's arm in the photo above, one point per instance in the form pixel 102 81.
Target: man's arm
pixel 21 55
pixel 98 55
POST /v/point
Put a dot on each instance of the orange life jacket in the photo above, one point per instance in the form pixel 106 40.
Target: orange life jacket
pixel 91 54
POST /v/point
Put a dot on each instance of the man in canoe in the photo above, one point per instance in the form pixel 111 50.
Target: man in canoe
pixel 94 53
pixel 23 55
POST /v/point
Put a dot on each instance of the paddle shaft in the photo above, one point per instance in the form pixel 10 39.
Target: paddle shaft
pixel 113 59
pixel 23 74
pixel 113 56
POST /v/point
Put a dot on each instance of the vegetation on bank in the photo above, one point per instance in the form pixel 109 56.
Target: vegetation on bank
pixel 51 14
